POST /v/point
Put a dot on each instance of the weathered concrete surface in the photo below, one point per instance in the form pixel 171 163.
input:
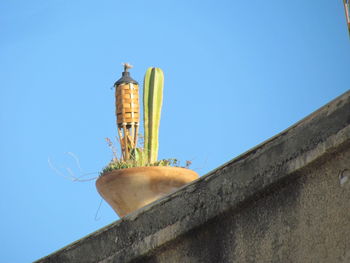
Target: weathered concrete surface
pixel 286 200
pixel 302 220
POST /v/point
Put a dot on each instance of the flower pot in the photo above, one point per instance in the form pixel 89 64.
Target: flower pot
pixel 127 190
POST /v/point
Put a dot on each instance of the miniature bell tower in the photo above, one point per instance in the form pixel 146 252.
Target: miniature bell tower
pixel 127 111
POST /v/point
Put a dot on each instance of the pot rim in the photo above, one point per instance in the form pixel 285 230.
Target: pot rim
pixel 146 167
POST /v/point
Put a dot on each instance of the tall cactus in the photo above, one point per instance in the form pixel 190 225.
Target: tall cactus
pixel 152 105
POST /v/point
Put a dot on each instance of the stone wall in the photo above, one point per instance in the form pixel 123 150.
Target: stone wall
pixel 286 200
pixel 302 219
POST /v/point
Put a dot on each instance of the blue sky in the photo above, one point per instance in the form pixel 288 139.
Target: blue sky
pixel 236 73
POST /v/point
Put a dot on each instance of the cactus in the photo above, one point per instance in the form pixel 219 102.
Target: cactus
pixel 137 157
pixel 152 105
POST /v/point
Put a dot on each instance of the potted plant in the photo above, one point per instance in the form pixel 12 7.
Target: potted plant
pixel 137 177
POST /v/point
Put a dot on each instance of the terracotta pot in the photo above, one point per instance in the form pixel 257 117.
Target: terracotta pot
pixel 129 189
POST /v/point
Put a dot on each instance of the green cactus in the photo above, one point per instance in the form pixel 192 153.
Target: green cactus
pixel 137 157
pixel 152 105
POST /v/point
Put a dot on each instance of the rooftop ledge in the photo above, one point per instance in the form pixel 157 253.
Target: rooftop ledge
pixel 310 140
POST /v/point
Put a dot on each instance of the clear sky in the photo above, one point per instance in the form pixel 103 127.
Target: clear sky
pixel 236 73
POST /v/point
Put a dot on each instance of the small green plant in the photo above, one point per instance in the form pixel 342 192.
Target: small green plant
pixel 148 154
pixel 138 159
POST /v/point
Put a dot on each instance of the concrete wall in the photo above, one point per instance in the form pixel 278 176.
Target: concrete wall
pixel 303 219
pixel 286 200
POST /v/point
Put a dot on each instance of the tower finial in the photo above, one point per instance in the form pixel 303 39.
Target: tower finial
pixel 126 66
